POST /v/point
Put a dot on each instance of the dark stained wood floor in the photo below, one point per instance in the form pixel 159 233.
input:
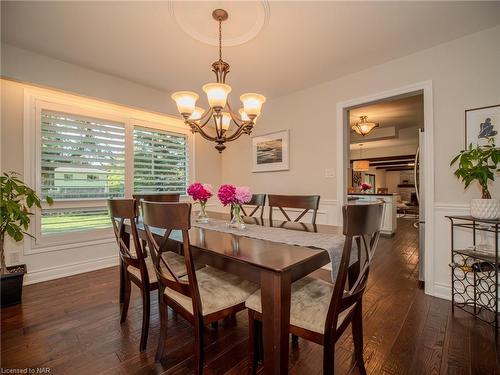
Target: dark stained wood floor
pixel 71 325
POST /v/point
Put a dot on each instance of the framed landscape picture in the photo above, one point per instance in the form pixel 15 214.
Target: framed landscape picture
pixel 270 152
pixel 481 124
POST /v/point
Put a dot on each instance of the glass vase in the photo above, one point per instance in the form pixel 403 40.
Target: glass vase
pixel 236 218
pixel 202 215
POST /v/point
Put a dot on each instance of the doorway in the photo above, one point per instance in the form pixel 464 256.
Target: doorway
pixel 402 173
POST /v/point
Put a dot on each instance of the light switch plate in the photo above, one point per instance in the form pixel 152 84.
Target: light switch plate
pixel 330 173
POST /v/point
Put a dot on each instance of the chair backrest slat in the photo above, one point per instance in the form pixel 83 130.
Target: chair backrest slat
pixel 155 197
pixel 122 210
pixel 361 227
pixel 259 201
pixel 305 202
pixel 169 217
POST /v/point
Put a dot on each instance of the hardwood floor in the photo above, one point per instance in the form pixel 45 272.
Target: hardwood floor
pixel 71 326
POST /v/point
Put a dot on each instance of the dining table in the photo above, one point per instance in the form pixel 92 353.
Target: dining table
pixel 272 265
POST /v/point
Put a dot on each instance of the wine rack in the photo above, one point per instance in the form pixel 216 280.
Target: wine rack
pixel 474 275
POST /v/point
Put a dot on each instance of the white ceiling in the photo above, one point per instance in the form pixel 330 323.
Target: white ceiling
pixel 405 114
pixel 301 44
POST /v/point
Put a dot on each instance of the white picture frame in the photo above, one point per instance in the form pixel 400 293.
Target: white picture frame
pixel 481 123
pixel 271 152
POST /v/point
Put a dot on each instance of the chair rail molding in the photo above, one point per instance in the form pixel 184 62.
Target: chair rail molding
pixel 327 212
pixel 442 254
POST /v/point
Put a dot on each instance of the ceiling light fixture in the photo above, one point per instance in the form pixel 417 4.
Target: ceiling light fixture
pixel 361 165
pixel 364 127
pixel 220 110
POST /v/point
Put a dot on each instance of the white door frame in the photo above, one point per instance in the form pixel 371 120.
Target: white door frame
pixel 343 152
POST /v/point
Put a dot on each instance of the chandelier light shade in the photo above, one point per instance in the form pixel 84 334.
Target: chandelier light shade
pixel 226 120
pixel 245 117
pixel 186 101
pixel 220 111
pixel 217 94
pixel 197 113
pixel 364 127
pixel 361 165
pixel 252 104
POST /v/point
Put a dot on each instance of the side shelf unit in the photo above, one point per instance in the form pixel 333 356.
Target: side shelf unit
pixel 474 271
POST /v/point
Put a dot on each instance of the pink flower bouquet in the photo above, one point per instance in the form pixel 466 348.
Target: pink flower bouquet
pixel 230 194
pixel 364 186
pixel 235 196
pixel 200 192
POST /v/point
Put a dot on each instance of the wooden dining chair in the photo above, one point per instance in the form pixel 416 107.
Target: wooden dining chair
pixel 305 202
pixel 155 197
pixel 321 311
pixel 136 267
pixel 203 296
pixel 259 201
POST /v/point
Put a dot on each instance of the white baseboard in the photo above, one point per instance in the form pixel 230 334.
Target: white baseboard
pixel 442 291
pixel 52 273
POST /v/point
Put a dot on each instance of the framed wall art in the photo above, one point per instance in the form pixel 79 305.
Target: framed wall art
pixel 481 124
pixel 270 152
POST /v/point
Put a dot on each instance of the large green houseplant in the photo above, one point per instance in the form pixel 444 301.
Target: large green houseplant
pixel 479 164
pixel 16 200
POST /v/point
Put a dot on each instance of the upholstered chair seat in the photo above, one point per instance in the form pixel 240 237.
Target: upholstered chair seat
pixel 175 260
pixel 218 291
pixel 310 300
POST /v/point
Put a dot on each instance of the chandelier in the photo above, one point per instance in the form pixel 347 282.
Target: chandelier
pixel 364 127
pixel 361 165
pixel 220 111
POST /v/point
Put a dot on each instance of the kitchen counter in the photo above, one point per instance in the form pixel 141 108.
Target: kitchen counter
pixel 389 221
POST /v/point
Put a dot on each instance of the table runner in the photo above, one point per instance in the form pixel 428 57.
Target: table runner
pixel 332 243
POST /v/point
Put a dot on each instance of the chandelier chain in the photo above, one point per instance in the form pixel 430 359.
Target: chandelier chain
pixel 220 39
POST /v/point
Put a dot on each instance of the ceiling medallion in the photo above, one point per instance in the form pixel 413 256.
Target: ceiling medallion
pixel 248 19
pixel 364 127
pixel 220 111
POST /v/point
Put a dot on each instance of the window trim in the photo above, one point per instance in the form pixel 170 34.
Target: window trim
pixel 36 99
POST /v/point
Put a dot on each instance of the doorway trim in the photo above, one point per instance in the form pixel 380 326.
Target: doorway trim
pixel 343 152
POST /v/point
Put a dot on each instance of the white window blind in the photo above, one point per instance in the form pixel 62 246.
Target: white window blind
pixel 82 158
pixel 160 161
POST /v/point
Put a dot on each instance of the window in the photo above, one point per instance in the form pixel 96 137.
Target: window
pixel 160 161
pixel 82 158
pixel 81 152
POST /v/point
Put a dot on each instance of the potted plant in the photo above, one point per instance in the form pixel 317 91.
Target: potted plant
pixel 480 163
pixel 16 199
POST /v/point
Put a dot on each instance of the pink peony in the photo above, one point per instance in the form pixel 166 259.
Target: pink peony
pixel 243 194
pixel 208 188
pixel 227 194
pixel 365 186
pixel 200 192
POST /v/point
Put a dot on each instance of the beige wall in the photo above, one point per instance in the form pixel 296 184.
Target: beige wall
pixel 462 78
pixel 392 179
pixel 465 73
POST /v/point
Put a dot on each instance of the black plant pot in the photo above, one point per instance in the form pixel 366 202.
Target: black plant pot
pixel 12 286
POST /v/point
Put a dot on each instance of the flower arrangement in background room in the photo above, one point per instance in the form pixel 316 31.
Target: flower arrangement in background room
pixel 235 196
pixel 201 193
pixel 365 187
